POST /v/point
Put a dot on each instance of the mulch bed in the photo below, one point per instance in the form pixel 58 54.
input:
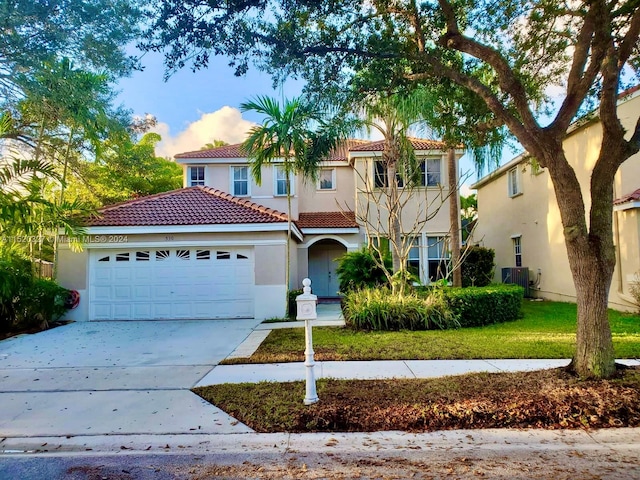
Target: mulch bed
pixel 31 330
pixel 549 399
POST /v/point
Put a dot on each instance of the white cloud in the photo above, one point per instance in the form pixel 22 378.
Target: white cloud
pixel 225 124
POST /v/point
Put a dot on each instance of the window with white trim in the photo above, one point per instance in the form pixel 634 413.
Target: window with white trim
pixel 381 175
pixel 240 181
pixel 513 177
pixel 327 179
pixel 517 250
pixel 437 258
pixel 413 258
pixel 281 181
pixel 431 172
pixel 196 175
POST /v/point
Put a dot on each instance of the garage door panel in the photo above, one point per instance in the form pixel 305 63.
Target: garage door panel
pixel 100 292
pixel 162 310
pixel 143 311
pixel 172 283
pixel 122 311
pixel 142 292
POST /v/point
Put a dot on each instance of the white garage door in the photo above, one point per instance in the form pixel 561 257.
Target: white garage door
pixel 172 283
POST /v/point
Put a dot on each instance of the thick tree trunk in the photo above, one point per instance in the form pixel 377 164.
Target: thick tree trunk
pixel 454 217
pixel 594 355
pixel 591 257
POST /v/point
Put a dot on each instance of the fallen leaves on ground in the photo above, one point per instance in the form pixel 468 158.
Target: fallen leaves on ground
pixel 550 399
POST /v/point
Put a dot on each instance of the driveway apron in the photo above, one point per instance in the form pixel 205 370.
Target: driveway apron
pixel 100 378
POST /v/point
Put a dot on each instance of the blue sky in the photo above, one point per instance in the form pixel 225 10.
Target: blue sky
pixel 194 108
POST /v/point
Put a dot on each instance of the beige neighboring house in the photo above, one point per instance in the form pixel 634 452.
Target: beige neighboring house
pixel 519 217
pixel 216 248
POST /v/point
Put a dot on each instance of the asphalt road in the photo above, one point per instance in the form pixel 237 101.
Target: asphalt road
pixel 583 462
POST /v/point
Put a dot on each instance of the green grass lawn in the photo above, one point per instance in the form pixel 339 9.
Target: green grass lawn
pixel 547 330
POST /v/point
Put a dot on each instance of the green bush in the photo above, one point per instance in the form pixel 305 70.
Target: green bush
pixel 43 302
pixel 379 309
pixel 293 305
pixel 478 306
pixel 15 277
pixel 357 270
pixel 26 301
pixel 478 267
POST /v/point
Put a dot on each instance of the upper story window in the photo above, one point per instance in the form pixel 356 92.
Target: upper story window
pixel 327 179
pixel 281 181
pixel 431 172
pixel 381 175
pixel 240 181
pixel 196 176
pixel 513 177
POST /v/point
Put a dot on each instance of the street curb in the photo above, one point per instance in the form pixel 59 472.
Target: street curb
pixel 621 439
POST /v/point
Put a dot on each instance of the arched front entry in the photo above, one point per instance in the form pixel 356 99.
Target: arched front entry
pixel 323 266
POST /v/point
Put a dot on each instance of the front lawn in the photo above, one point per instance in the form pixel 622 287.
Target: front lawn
pixel 547 330
pixel 544 399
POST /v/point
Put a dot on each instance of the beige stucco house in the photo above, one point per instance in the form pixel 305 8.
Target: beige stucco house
pixel 519 217
pixel 216 248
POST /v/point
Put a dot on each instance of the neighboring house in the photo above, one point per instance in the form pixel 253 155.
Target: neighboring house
pixel 216 248
pixel 519 218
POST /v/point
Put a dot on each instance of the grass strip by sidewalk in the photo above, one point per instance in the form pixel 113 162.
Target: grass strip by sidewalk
pixel 547 399
pixel 547 330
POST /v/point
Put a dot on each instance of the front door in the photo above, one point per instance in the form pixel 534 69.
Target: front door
pixel 323 268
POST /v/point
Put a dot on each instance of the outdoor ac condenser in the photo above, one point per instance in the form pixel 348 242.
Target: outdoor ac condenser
pixel 517 275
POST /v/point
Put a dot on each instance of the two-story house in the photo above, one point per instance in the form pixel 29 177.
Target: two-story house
pixel 217 247
pixel 518 214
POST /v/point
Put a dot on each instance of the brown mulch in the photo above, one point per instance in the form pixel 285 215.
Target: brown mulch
pixel 31 330
pixel 549 399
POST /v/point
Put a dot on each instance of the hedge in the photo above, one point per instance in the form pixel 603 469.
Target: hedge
pixel 478 306
pixel 432 308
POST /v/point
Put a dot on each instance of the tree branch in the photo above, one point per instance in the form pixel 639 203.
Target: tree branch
pixel 438 69
pixel 578 82
pixel 630 39
pixel 507 80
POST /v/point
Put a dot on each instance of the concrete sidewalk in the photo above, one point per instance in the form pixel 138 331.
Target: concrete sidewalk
pixel 375 369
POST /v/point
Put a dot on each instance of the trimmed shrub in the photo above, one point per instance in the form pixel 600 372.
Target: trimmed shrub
pixel 478 267
pixel 293 305
pixel 478 306
pixel 357 270
pixel 379 309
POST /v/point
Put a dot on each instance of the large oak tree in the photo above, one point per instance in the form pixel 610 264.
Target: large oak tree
pixel 507 52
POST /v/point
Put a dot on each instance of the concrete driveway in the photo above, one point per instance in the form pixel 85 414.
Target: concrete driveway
pixel 98 378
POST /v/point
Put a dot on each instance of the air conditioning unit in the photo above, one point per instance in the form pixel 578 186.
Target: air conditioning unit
pixel 517 275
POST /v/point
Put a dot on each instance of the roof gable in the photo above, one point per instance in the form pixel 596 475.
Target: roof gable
pixel 186 206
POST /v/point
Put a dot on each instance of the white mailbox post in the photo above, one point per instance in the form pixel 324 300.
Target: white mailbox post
pixel 307 311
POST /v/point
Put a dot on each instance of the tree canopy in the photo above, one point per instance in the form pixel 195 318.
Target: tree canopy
pixel 512 54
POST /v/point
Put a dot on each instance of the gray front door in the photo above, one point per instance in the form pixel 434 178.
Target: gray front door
pixel 322 268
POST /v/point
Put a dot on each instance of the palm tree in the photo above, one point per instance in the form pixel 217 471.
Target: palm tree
pixel 298 134
pixel 460 120
pixel 393 115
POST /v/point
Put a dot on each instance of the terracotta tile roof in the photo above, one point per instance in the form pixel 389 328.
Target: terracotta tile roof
pixel 186 206
pixel 341 152
pixel 327 220
pixel 632 197
pixel 226 151
pixel 418 144
pixel 235 151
